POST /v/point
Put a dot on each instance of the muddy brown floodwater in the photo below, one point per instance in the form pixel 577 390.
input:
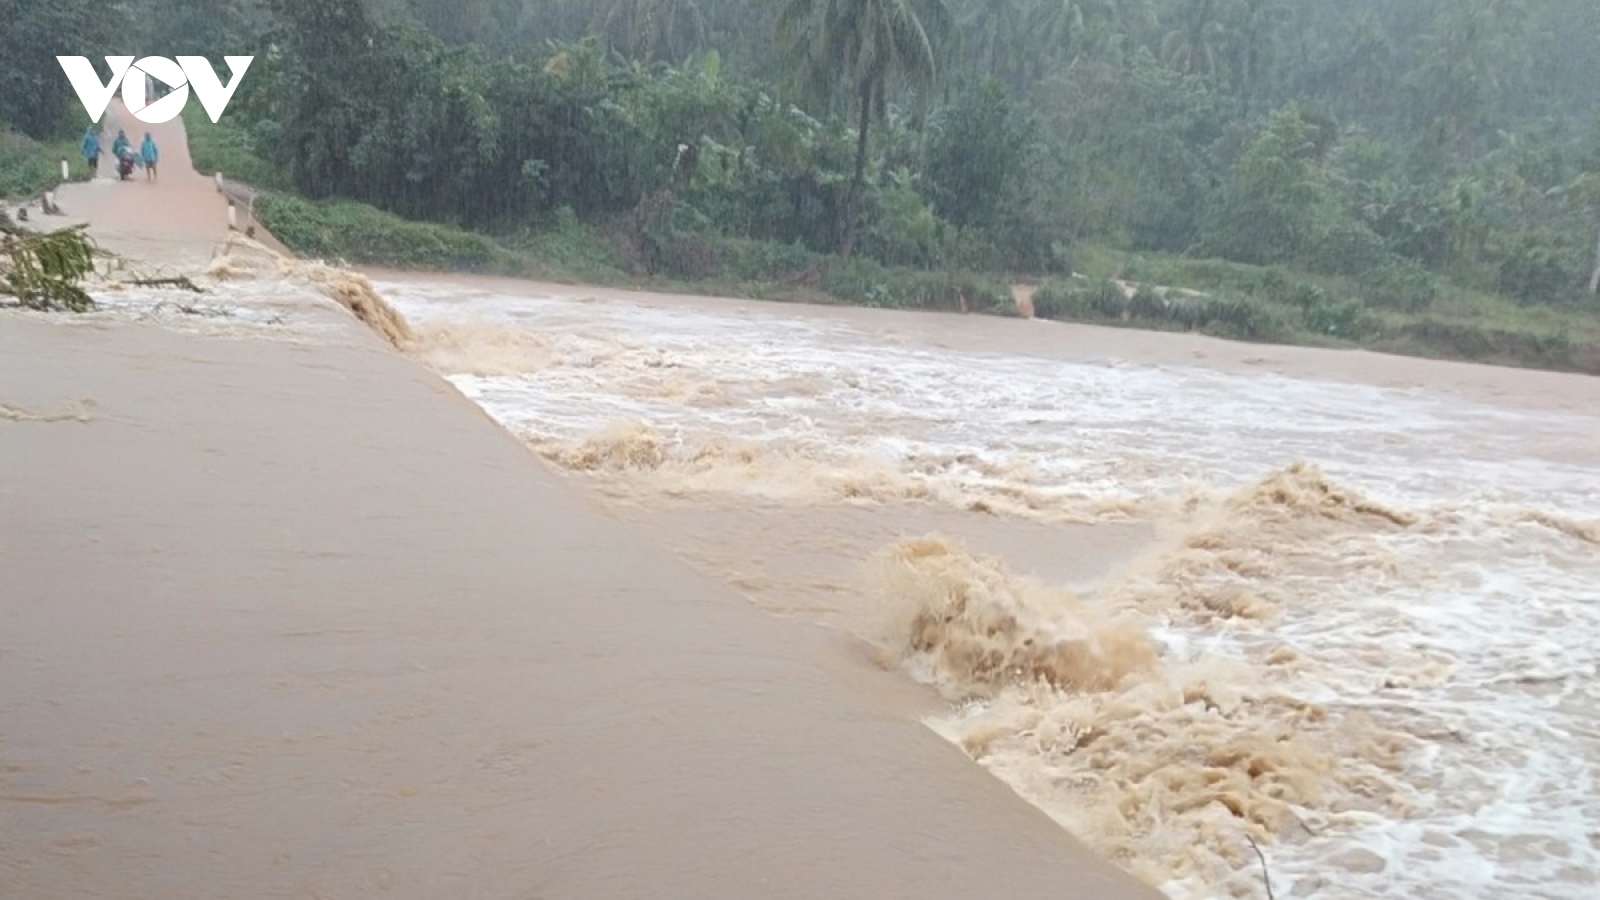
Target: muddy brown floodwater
pixel 1179 593
pixel 719 598
pixel 283 615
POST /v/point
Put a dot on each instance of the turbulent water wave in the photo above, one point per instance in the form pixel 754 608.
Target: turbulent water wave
pixel 1378 665
pixel 563 370
pixel 1251 720
pixel 1588 532
pixel 248 291
pixel 636 461
pixel 1168 765
pixel 240 258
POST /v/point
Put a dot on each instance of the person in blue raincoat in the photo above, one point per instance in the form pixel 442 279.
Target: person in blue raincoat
pixel 91 150
pixel 120 146
pixel 148 154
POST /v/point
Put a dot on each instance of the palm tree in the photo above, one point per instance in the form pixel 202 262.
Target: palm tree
pixel 1368 68
pixel 1113 30
pixel 1471 52
pixel 1255 44
pixel 995 32
pixel 861 45
pixel 1194 46
pixel 1061 26
pixel 649 30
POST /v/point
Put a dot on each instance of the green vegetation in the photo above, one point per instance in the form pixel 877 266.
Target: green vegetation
pixel 1259 303
pixel 38 127
pixel 856 48
pixel 359 232
pixel 44 271
pixel 565 248
pixel 231 150
pixel 35 98
pixel 1421 175
pixel 28 166
pixel 571 251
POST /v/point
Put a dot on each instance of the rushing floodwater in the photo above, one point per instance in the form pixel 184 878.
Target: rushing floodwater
pixel 1364 638
pixel 1381 665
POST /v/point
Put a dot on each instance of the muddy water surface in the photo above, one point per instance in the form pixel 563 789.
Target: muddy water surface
pixel 1345 613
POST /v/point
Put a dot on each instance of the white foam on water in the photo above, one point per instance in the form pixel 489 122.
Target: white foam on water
pixel 266 308
pixel 1472 635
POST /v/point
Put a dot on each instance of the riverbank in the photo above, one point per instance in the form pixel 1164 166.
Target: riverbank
pixel 1251 305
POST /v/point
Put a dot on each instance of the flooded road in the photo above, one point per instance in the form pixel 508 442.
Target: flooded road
pixel 287 616
pixel 1178 594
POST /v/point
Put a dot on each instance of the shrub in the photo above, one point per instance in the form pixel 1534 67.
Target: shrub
pixel 748 260
pixel 1048 302
pixel 1273 282
pixel 1190 312
pixel 1347 248
pixel 567 248
pixel 1400 284
pixel 1137 268
pixel 1342 319
pixel 1535 271
pixel 1458 339
pixel 872 284
pixel 1148 304
pixel 28 166
pixel 1078 301
pixel 1303 295
pixel 901 228
pixel 1244 317
pixel 1010 246
pixel 686 254
pixel 230 149
pixel 360 233
pixel 1107 299
pixel 1470 340
pixel 1223 315
pixel 1065 299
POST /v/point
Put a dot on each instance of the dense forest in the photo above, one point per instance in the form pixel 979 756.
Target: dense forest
pixel 1403 152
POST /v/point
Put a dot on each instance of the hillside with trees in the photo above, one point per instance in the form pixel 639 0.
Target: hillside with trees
pixel 1417 175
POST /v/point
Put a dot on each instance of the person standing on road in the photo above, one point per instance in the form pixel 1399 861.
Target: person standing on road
pixel 91 150
pixel 148 153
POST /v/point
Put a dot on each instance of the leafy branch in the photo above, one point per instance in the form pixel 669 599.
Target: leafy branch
pixel 44 270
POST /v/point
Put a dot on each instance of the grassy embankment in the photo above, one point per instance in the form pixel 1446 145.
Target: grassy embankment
pixel 1406 315
pixel 28 166
pixel 1436 319
pixel 567 250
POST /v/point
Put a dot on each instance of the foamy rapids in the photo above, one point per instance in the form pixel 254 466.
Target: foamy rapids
pixel 1365 640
